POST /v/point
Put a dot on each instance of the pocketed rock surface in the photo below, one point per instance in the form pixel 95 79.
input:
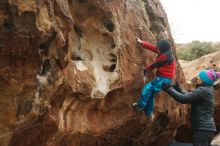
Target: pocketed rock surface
pixel 70 70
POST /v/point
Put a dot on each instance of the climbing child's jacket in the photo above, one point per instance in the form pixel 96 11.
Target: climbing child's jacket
pixel 165 62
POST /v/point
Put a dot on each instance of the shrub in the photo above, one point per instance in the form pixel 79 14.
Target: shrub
pixel 195 50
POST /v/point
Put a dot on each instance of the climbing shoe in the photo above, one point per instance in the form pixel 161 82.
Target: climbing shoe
pixel 137 107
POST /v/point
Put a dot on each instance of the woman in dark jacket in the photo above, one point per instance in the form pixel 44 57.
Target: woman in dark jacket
pixel 202 101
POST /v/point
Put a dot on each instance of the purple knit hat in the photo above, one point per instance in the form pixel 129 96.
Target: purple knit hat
pixel 209 76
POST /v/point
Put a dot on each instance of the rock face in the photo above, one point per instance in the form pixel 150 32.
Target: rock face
pixel 191 68
pixel 70 69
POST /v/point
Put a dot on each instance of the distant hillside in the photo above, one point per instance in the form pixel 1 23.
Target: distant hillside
pixel 215 45
pixel 196 49
pixel 191 68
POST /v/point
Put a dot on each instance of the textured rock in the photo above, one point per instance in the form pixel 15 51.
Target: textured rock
pixel 216 140
pixel 191 68
pixel 69 71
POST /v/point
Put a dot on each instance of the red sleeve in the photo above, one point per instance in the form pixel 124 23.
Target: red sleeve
pixel 150 47
pixel 157 63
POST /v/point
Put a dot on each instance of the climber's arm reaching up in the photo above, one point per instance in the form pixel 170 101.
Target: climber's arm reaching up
pixel 147 45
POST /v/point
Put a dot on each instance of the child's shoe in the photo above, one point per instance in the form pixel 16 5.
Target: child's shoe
pixel 137 107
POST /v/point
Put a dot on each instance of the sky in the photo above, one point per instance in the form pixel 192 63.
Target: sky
pixel 193 19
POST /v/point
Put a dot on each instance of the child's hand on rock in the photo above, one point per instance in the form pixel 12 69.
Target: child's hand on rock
pixel 139 41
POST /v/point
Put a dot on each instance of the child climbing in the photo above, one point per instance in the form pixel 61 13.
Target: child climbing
pixel 165 65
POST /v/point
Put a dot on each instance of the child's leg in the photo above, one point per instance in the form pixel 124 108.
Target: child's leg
pixel 145 95
pixel 150 106
pixel 156 87
pixel 157 84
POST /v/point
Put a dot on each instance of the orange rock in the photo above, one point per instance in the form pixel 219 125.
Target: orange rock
pixel 70 70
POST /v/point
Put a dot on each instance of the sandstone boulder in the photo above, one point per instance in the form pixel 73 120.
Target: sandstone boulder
pixel 70 69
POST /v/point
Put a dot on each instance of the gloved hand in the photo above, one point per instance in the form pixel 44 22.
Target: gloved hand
pixel 177 86
pixel 166 86
pixel 139 41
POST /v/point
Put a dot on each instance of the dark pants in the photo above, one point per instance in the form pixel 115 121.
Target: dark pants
pixel 202 138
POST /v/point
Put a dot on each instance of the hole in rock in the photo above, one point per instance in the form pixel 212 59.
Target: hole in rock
pixel 82 1
pixel 24 108
pixel 8 25
pixel 76 57
pixel 113 45
pixel 113 55
pixel 78 31
pixel 92 9
pixel 105 67
pixel 110 40
pixel 113 60
pixel 25 24
pixel 44 48
pixel 46 67
pixel 163 120
pixel 109 68
pixel 46 45
pixel 1 45
pixel 112 67
pixel 109 25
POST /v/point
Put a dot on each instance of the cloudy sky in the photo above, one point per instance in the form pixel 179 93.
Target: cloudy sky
pixel 194 19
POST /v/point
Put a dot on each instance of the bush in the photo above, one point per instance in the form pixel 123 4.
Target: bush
pixel 194 50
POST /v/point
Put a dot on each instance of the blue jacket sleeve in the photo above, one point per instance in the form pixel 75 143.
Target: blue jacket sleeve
pixel 179 89
pixel 187 97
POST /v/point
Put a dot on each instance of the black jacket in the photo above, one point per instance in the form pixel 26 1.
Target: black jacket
pixel 202 106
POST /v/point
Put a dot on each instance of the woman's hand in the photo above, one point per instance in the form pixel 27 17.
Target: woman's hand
pixel 166 86
pixel 177 86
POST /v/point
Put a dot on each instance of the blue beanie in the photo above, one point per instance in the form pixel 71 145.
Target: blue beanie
pixel 208 76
